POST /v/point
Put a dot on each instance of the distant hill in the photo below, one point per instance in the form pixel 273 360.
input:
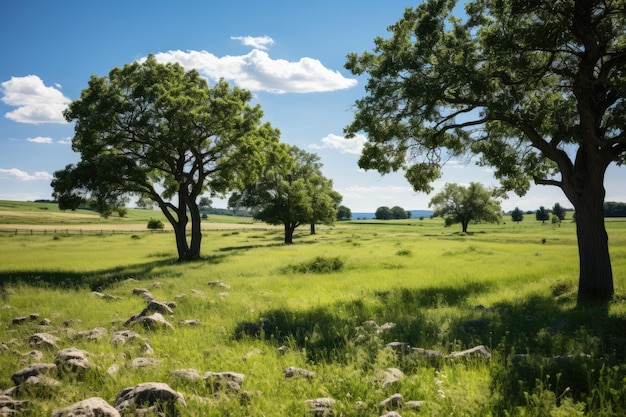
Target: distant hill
pixel 415 214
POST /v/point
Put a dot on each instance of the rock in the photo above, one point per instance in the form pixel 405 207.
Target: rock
pixel 70 322
pixel 428 353
pixel 144 362
pixel 106 296
pixel 123 336
pixel 35 369
pixel 231 381
pixel 399 347
pixel 157 307
pixel 32 356
pixel 321 407
pixel 283 349
pixel 19 320
pixel 389 376
pixel 187 374
pixel 44 340
pixel 251 353
pixel 45 322
pixel 192 322
pixel 292 371
pixel 393 402
pixel 391 414
pixel 93 334
pixel 219 284
pixel 415 405
pixel 72 359
pixel 480 351
pixel 146 349
pixel 91 407
pixel 113 370
pixel 151 322
pixel 9 406
pixel 149 394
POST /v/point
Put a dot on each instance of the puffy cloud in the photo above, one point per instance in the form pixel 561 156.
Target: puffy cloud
pixel 257 71
pixel 344 145
pixel 19 175
pixel 40 139
pixel 260 42
pixel 35 102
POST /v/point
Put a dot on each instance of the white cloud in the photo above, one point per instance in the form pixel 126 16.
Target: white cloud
pixel 19 175
pixel 257 42
pixel 35 102
pixel 40 139
pixel 257 71
pixel 344 145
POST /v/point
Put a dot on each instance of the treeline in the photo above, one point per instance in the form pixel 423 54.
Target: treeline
pixel 613 209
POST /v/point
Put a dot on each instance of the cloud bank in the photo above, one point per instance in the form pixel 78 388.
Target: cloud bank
pixel 36 103
pixel 19 175
pixel 257 71
pixel 352 146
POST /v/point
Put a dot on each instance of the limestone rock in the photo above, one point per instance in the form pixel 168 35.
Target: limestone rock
pixel 73 359
pixel 91 407
pixel 480 351
pixel 123 336
pixel 389 376
pixel 144 362
pixel 151 394
pixel 43 340
pixel 292 371
pixel 187 374
pixel 93 334
pixel 151 322
pixel 321 407
pixel 224 380
pixel 394 402
pixel 35 369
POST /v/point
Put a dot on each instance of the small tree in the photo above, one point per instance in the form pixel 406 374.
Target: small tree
pixel 559 211
pixel 383 213
pixel 517 215
pixel 344 213
pixel 398 212
pixel 542 214
pixel 460 204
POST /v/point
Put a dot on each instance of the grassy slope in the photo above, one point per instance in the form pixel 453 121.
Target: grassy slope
pixel 428 280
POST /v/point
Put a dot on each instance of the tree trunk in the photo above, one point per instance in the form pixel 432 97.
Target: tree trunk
pixel 196 231
pixel 595 283
pixel 464 225
pixel 289 233
pixel 312 228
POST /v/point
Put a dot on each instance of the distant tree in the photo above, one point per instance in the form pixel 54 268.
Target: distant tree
pixel 517 215
pixel 559 211
pixel 161 133
pixel 556 220
pixel 290 191
pixel 460 204
pixel 398 212
pixel 344 213
pixel 614 209
pixel 542 214
pixel 205 203
pixel 383 213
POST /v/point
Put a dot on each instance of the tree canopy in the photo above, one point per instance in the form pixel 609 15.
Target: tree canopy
pixel 164 135
pixel 290 191
pixel 459 204
pixel 517 215
pixel 536 89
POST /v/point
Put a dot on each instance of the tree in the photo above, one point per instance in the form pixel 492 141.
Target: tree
pixel 614 209
pixel 205 203
pixel 517 215
pixel 542 214
pixel 157 132
pixel 398 212
pixel 460 204
pixel 559 211
pixel 290 191
pixel 344 213
pixel 383 213
pixel 537 89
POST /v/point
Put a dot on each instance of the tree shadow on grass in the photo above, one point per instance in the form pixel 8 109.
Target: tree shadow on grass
pixel 96 280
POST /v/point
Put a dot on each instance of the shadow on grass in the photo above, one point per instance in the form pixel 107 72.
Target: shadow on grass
pixel 96 280
pixel 545 349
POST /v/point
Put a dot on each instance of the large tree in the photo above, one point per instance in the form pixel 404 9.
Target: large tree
pixel 291 191
pixel 164 135
pixel 536 88
pixel 459 204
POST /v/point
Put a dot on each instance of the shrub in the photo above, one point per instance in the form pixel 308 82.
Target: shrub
pixel 319 264
pixel 155 224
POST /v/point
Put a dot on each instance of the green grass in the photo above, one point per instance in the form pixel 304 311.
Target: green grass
pixel 511 287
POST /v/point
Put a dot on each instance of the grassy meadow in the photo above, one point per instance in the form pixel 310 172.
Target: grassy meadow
pixel 511 287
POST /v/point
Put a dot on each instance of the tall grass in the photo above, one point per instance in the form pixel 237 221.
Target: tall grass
pixel 511 287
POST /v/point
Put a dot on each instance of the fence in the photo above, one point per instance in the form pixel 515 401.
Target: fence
pixel 88 232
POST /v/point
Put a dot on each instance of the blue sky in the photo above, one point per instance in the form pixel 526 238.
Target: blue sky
pixel 289 54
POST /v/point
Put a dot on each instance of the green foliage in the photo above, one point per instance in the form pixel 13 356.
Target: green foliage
pixel 344 213
pixel 542 214
pixel 517 215
pixel 319 264
pixel 155 224
pixel 614 209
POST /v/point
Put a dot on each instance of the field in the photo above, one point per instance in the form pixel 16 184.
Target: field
pixel 257 307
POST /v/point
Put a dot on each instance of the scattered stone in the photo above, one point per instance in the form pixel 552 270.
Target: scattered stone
pixel 106 296
pixel 144 363
pixel 480 351
pixel 147 295
pixel 292 371
pixel 219 284
pixel 44 340
pixel 151 322
pixel 428 353
pixel 93 334
pixel 157 307
pixel 415 405
pixel 113 370
pixel 45 322
pixel 399 347
pixel 32 356
pixel 394 402
pixel 192 323
pixel 171 304
pixel 91 407
pixel 33 316
pixel 19 320
pixel 389 376
pixel 251 353
pixel 123 336
pixel 187 374
pixel 4 346
pixel 9 406
pixel 146 349
pixel 72 359
pixel 231 381
pixel 152 394
pixel 391 414
pixel 71 322
pixel 283 349
pixel 321 407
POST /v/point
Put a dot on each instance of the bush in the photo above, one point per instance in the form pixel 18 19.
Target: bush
pixel 319 264
pixel 155 224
